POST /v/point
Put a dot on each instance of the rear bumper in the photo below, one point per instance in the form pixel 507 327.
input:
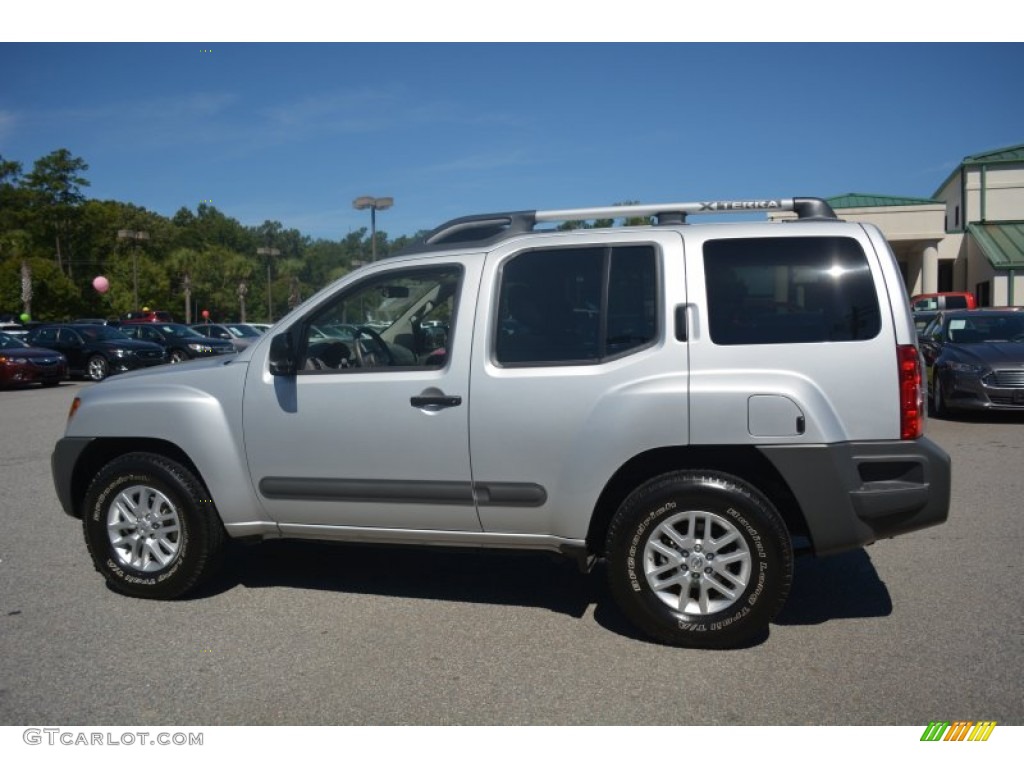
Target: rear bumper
pixel 853 494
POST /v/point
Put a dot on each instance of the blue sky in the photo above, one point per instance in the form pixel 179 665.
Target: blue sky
pixel 295 131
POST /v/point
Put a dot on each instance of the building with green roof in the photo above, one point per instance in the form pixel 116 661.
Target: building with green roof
pixel 968 236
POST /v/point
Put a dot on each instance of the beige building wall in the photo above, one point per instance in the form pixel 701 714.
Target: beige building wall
pixel 1004 193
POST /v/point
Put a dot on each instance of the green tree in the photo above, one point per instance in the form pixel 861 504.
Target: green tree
pixel 55 184
pixel 54 295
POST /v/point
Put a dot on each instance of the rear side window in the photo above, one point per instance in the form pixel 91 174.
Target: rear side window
pixel 956 302
pixel 789 290
pixel 576 305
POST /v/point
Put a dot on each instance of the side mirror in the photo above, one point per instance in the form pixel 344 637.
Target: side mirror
pixel 282 355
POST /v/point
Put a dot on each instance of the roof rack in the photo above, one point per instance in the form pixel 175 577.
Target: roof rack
pixel 490 228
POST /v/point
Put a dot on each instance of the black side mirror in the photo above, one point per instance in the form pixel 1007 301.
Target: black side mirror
pixel 282 355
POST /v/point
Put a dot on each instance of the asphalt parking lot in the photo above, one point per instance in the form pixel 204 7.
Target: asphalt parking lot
pixel 924 627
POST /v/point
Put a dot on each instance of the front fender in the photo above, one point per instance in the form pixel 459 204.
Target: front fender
pixel 197 409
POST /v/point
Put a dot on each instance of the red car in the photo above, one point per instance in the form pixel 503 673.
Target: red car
pixel 23 364
pixel 923 302
pixel 148 316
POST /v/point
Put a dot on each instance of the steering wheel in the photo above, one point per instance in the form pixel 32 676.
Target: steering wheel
pixel 326 355
pixel 367 358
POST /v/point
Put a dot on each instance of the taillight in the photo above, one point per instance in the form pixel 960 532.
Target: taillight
pixel 911 401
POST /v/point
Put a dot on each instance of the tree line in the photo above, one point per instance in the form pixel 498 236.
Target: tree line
pixel 54 242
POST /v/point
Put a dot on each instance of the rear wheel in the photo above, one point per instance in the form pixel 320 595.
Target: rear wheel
pixel 699 559
pixel 151 527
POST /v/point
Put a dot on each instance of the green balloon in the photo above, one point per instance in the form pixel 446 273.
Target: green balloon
pixel 24 317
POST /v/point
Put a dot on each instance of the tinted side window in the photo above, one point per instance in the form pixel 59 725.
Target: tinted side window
pixel 956 302
pixel 786 290
pixel 576 305
pixel 396 319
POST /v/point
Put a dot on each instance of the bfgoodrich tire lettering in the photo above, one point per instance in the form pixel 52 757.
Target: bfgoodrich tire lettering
pixel 151 529
pixel 699 559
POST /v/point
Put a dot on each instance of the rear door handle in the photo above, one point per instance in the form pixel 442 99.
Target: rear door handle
pixel 435 402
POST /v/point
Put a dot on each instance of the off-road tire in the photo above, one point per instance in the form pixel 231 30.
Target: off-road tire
pixel 151 527
pixel 699 559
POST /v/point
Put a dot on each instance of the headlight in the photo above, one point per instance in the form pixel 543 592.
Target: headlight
pixel 971 368
pixel 12 360
pixel 200 348
pixel 122 353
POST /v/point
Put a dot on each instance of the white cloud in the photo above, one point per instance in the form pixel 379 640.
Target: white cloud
pixel 8 123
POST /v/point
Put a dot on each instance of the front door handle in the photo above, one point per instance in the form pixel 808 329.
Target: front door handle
pixel 435 402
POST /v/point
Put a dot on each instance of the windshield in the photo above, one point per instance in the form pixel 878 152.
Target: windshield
pixel 9 342
pixel 242 331
pixel 979 329
pixel 179 331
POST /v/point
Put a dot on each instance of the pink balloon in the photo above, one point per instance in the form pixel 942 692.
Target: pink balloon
pixel 206 314
pixel 101 284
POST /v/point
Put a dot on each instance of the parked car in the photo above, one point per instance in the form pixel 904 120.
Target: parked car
pixel 262 327
pixel 923 318
pixel 975 360
pixel 21 363
pixel 180 341
pixel 239 334
pixel 96 351
pixel 148 316
pixel 14 329
pixel 946 300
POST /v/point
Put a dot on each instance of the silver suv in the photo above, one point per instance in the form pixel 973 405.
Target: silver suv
pixel 689 403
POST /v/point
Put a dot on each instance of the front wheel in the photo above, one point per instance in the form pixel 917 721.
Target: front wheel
pixel 150 527
pixel 939 408
pixel 699 559
pixel 177 356
pixel 97 368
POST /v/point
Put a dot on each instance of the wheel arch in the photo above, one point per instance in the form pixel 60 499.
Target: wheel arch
pixel 744 462
pixel 102 451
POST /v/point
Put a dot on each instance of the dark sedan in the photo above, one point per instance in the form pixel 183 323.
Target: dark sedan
pixel 239 334
pixel 181 342
pixel 21 363
pixel 97 351
pixel 975 360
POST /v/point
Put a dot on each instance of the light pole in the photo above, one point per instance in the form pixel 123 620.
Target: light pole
pixel 136 235
pixel 374 204
pixel 270 253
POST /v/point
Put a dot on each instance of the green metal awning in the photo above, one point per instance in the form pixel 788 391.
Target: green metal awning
pixel 1001 242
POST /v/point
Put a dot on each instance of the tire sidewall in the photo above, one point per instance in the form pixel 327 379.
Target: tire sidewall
pixel 750 515
pixel 167 581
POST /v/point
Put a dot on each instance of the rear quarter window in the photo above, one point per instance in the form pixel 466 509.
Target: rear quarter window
pixel 789 290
